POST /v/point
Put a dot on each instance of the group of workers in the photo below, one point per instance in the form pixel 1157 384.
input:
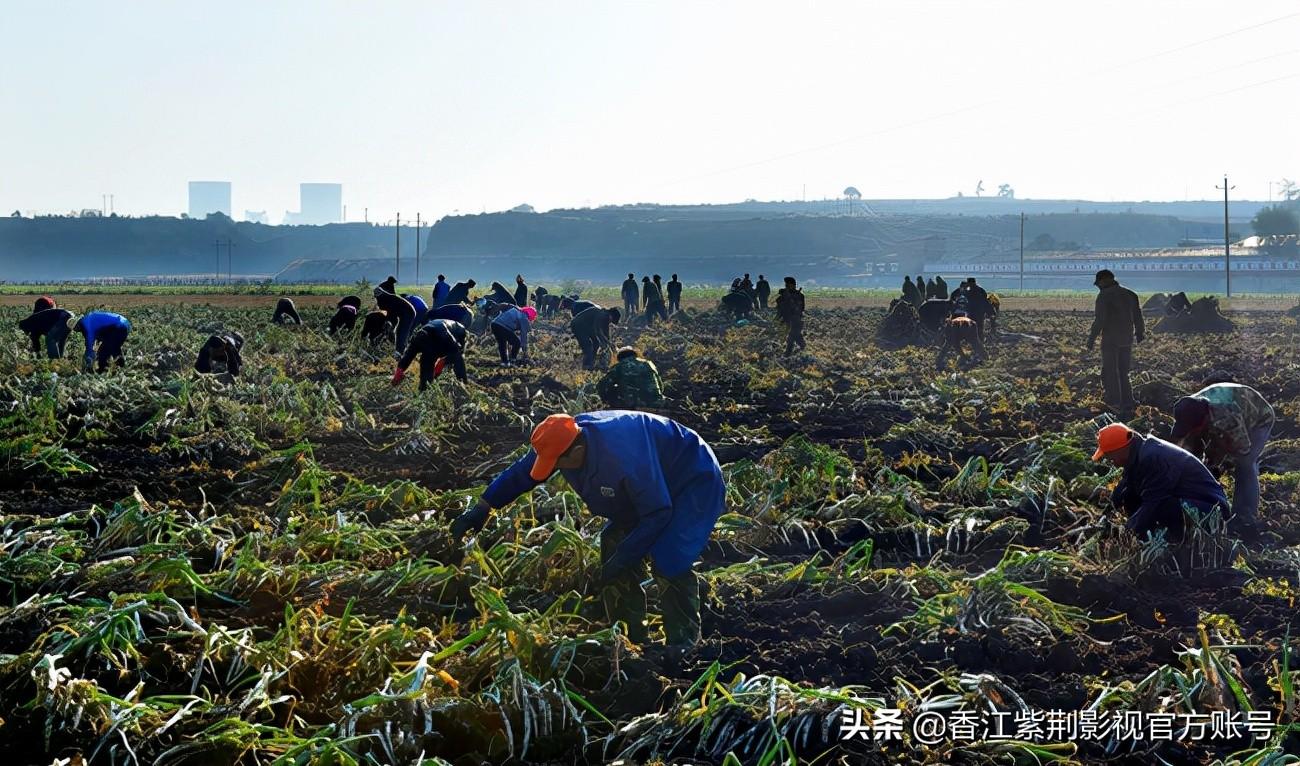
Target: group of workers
pixel 652 298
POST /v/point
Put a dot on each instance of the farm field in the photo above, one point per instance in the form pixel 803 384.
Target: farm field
pixel 195 569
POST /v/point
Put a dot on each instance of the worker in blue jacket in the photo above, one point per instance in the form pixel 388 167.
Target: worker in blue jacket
pixel 1159 478
pixel 440 290
pixel 107 329
pixel 659 485
pixel 421 308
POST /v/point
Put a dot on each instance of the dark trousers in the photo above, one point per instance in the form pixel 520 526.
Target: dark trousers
pixel 762 300
pixel 955 342
pixel 655 310
pixel 1116 364
pixel 590 346
pixel 507 343
pixel 110 341
pixel 625 599
pixel 674 304
pixel 56 339
pixel 427 362
pixel 794 335
pixel 629 305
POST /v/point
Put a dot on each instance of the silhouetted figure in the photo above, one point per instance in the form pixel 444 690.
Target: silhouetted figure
pixel 790 310
pixel 591 329
pixel 521 291
pixel 376 328
pixel 345 315
pixel 459 293
pixel 958 332
pixel 52 324
pixel 399 311
pixel 285 313
pixel 737 303
pixel 940 288
pixel 654 302
pixel 631 296
pixel 910 293
pixel 763 290
pixel 455 312
pixel 674 295
pixel 436 343
pixel 440 290
pixel 223 350
pixel 1118 320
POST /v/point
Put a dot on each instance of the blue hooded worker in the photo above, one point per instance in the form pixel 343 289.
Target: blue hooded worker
pixel 109 331
pixel 657 482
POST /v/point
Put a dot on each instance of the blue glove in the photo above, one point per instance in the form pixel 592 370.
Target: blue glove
pixel 473 519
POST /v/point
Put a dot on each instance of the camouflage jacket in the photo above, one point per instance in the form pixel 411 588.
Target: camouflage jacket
pixel 633 382
pixel 1235 411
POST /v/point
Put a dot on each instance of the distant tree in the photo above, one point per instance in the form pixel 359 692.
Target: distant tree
pixel 1275 219
pixel 852 192
pixel 979 188
pixel 524 208
pixel 1006 192
pixel 1289 190
pixel 18 214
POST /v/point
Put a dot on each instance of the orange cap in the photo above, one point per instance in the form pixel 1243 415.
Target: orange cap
pixel 550 439
pixel 1111 438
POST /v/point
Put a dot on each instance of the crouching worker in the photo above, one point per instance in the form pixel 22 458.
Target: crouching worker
pixel 221 350
pixel 376 327
pixel 285 313
pixel 631 384
pixel 107 329
pixel 958 332
pixel 591 328
pixel 436 343
pixel 1158 479
pixel 1228 423
pixel 659 485
pixel 53 324
pixel 345 317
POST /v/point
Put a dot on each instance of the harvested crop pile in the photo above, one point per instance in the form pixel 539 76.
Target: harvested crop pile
pixel 1203 316
pixel 1161 304
pixel 901 326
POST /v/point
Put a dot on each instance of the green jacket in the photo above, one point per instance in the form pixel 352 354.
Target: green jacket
pixel 1235 411
pixel 633 382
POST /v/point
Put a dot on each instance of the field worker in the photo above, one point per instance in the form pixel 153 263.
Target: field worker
pixel 910 293
pixel 659 485
pixel 1227 422
pixel 790 308
pixel 436 343
pixel 1118 320
pixel 345 314
pixel 631 296
pixel 521 291
pixel 591 329
pixel 959 331
pixel 459 292
pixel 421 308
pixel 54 324
pixel 399 310
pixel 631 384
pixel 575 306
pixel 456 312
pixel 1158 479
pixel 977 302
pixel 764 291
pixel 674 295
pixel 107 329
pixel 510 327
pixel 285 313
pixel 376 327
pixel 499 294
pixel 654 301
pixel 223 349
pixel 940 288
pixel 43 303
pixel 738 303
pixel 440 290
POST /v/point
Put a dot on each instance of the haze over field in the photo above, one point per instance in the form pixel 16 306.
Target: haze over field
pixel 437 108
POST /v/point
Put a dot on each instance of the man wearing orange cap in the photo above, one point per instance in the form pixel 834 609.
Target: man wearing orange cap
pixel 659 485
pixel 1159 479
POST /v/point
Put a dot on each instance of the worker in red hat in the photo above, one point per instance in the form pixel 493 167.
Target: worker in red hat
pixel 659 485
pixel 1227 423
pixel 960 331
pixel 1159 479
pixel 437 342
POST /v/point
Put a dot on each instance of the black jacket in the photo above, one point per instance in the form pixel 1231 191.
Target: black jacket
pixel 439 338
pixel 459 293
pixel 1157 473
pixel 223 347
pixel 521 294
pixel 1118 317
pixel 592 322
pixel 39 323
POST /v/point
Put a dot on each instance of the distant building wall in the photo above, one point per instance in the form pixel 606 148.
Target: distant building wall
pixel 319 204
pixel 209 197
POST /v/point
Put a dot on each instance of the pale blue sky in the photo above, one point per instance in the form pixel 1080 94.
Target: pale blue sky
pixel 435 107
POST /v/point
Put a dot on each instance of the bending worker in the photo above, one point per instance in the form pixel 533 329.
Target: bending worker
pixel 1158 479
pixel 436 343
pixel 399 310
pixel 960 331
pixel 223 349
pixel 285 312
pixel 591 328
pixel 54 324
pixel 1227 422
pixel 510 327
pixel 107 329
pixel 631 384
pixel 659 485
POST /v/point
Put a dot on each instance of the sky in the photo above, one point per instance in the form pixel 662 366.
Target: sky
pixel 460 107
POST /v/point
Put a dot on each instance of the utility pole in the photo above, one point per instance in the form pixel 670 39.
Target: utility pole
pixel 367 214
pixel 397 265
pixel 230 260
pixel 1022 252
pixel 1227 251
pixel 216 273
pixel 110 204
pixel 417 250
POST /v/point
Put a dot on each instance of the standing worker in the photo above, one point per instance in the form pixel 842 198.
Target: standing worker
pixel 53 324
pixel 764 290
pixel 631 384
pixel 940 287
pixel 521 291
pixel 1228 422
pixel 285 313
pixel 510 327
pixel 440 290
pixel 654 302
pixel 1158 479
pixel 436 343
pixel 1118 320
pixel 591 328
pixel 223 349
pixel 661 488
pixel 959 331
pixel 631 302
pixel 910 294
pixel 790 309
pixel 398 309
pixel 107 329
pixel 674 295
